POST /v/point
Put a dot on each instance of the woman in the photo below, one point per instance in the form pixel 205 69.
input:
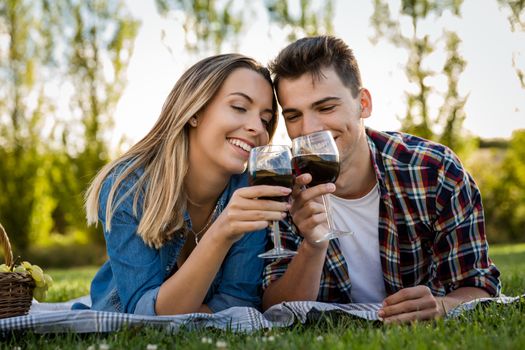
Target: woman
pixel 182 229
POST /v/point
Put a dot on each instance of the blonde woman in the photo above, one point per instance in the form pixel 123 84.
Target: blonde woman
pixel 182 228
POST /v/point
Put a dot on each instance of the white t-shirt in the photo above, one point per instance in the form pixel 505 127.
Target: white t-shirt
pixel 361 250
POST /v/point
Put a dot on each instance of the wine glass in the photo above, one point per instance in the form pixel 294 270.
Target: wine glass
pixel 317 155
pixel 271 165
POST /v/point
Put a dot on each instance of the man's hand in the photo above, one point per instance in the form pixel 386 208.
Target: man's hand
pixel 418 303
pixel 308 212
pixel 411 304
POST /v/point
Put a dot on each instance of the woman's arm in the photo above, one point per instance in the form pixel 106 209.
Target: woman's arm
pixel 185 291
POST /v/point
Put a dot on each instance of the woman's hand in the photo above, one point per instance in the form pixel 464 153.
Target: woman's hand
pixel 308 212
pixel 246 212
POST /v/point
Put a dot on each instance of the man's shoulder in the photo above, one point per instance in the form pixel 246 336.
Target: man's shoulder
pixel 402 148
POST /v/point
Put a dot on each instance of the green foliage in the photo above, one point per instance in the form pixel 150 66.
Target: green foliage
pixel 21 119
pixel 508 191
pixel 517 23
pixel 47 161
pixel 517 13
pixel 208 24
pixel 446 125
pixel 310 21
pixel 500 175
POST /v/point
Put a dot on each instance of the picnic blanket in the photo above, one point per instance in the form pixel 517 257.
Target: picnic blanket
pixel 59 318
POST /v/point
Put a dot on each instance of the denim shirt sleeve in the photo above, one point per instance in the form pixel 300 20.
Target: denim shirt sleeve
pixel 240 284
pixel 136 267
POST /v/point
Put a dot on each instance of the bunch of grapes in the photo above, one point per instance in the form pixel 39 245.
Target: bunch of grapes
pixel 42 280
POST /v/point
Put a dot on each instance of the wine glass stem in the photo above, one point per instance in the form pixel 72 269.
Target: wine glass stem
pixel 326 203
pixel 276 235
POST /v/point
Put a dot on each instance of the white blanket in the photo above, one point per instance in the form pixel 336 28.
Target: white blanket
pixel 59 318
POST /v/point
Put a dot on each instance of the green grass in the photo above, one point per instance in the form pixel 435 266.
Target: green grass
pixel 493 327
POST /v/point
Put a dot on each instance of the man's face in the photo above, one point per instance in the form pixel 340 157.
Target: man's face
pixel 310 105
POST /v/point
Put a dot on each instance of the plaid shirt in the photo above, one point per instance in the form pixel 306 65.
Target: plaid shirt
pixel 431 224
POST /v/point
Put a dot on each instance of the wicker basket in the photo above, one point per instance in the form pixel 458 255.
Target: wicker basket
pixel 16 289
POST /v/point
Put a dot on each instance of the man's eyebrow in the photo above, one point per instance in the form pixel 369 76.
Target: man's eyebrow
pixel 243 95
pixel 314 104
pixel 324 100
pixel 288 110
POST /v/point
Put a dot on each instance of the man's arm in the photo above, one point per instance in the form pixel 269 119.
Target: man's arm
pixel 302 277
pixel 460 251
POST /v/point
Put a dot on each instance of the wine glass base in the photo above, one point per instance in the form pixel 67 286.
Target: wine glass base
pixel 334 234
pixel 277 253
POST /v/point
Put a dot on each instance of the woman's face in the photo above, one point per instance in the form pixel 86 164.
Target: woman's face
pixel 232 123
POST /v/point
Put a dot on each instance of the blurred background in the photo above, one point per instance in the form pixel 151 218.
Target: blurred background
pixel 81 81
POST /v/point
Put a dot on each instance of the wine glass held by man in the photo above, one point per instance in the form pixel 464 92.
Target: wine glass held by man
pixel 317 154
pixel 175 204
pixel 419 245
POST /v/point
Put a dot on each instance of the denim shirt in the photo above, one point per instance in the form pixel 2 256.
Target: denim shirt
pixel 130 280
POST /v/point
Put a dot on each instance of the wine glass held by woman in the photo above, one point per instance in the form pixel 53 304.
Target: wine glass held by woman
pixel 182 227
pixel 271 165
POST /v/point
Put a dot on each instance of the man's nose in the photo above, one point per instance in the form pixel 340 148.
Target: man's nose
pixel 311 123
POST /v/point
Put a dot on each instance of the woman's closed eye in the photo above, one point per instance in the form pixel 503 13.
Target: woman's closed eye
pixel 266 121
pixel 238 108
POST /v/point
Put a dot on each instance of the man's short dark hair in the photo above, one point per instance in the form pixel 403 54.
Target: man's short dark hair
pixel 311 55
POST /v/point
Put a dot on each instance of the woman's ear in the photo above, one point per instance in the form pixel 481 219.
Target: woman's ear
pixel 193 122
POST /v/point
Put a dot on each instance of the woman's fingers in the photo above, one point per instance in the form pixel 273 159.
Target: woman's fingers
pixel 259 191
pixel 256 215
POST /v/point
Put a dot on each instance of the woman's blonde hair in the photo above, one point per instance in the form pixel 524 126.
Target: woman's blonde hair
pixel 163 152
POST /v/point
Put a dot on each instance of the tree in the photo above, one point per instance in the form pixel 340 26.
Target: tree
pixel 208 24
pixel 503 188
pixel 44 167
pixel 517 23
pixel 446 125
pixel 22 107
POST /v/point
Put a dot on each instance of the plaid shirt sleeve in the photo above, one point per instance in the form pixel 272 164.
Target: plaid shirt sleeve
pixel 460 246
pixel 289 240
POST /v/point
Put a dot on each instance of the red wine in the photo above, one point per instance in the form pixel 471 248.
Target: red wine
pixel 324 168
pixel 274 177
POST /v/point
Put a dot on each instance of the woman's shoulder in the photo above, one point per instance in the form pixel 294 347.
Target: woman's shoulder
pixel 121 185
pixel 122 175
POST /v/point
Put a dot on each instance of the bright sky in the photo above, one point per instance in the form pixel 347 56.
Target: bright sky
pixel 495 106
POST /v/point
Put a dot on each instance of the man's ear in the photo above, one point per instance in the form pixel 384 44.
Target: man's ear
pixel 365 100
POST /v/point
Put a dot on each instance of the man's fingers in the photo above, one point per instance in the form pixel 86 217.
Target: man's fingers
pixel 407 294
pixel 408 306
pixel 411 317
pixel 311 193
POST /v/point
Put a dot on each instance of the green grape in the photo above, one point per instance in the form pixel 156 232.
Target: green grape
pixel 20 269
pixel 39 294
pixel 48 280
pixel 42 281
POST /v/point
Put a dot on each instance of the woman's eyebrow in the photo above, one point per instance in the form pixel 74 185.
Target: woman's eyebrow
pixel 243 95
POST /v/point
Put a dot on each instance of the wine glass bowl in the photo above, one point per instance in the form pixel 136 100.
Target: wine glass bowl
pixel 271 165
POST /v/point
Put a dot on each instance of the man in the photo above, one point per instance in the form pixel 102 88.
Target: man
pixel 419 245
